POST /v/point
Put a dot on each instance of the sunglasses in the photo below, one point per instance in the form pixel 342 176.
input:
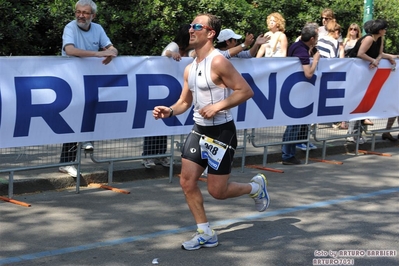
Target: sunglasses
pixel 353 29
pixel 198 27
pixel 325 18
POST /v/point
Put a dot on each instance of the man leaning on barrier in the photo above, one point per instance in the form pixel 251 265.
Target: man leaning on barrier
pixel 300 49
pixel 84 38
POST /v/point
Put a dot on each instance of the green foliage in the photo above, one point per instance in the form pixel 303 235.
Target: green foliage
pixel 389 10
pixel 142 27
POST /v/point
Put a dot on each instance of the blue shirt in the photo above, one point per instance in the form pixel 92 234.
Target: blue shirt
pixel 92 40
pixel 242 54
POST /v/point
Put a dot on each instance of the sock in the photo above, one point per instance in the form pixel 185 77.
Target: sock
pixel 205 227
pixel 255 187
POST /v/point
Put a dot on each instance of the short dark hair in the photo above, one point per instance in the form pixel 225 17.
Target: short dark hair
pixel 374 26
pixel 182 37
pixel 221 45
pixel 214 22
pixel 309 31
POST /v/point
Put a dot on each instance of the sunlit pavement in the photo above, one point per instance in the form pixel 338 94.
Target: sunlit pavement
pixel 319 213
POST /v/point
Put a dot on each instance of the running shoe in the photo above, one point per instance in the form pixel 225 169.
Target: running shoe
pixel 352 139
pixel 261 198
pixel 148 163
pixel 200 240
pixel 163 161
pixel 312 146
pixel 87 146
pixel 291 161
pixel 69 169
pixel 301 146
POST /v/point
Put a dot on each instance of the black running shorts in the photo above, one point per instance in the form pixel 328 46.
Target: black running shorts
pixel 225 133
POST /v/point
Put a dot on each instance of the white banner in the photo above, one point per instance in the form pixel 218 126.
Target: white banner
pixel 46 100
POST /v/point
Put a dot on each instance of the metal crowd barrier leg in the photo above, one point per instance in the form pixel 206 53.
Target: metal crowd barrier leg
pixel 11 184
pixel 244 150
pixel 171 159
pixel 264 159
pixel 110 172
pixel 78 160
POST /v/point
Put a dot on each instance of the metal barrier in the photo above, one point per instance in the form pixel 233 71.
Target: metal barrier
pixel 327 132
pixel 382 126
pixel 105 151
pixel 118 150
pixel 273 136
pixel 32 158
pixel 242 139
pixel 324 133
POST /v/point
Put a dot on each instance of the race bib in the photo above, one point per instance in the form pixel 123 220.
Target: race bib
pixel 213 150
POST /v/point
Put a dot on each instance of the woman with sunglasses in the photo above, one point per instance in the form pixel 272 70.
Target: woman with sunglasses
pixel 352 36
pixel 327 15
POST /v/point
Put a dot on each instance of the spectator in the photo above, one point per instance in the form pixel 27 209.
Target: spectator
pixel 354 125
pixel 219 88
pixel 328 47
pixel 153 145
pixel 300 49
pixel 327 15
pixel 353 34
pixel 227 44
pixel 84 38
pixel 370 47
pixel 388 135
pixel 304 129
pixel 179 47
pixel 277 46
pixel 351 38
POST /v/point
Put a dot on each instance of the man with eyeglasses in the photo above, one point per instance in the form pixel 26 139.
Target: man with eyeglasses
pixel 213 86
pixel 84 38
pixel 301 49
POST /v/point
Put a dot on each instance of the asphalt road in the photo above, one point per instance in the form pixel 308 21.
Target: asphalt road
pixel 320 214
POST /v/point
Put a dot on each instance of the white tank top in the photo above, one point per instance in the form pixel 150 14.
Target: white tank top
pixel 205 92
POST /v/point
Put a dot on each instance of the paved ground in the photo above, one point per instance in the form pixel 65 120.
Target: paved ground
pixel 316 210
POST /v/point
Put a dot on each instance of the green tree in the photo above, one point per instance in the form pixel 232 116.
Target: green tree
pixel 141 27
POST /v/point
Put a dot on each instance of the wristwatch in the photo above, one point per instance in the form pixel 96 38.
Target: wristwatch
pixel 243 46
